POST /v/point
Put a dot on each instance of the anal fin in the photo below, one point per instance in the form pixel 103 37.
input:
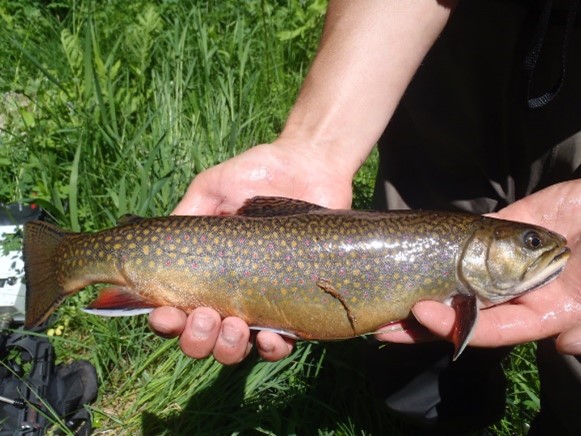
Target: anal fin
pixel 119 302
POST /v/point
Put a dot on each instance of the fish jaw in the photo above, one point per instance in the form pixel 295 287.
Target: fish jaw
pixel 533 281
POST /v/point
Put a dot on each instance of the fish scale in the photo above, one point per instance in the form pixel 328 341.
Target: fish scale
pixel 311 272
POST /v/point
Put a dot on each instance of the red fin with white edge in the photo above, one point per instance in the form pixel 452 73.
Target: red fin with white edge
pixel 119 302
pixel 466 308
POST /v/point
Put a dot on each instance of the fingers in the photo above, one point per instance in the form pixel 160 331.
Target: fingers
pixel 408 331
pixel 273 347
pixel 167 322
pixel 569 342
pixel 206 334
pixel 203 333
pixel 232 343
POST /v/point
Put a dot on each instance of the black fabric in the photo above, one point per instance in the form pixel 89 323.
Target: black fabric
pixel 35 391
pixel 535 52
pixel 432 395
pixel 463 137
pixel 71 387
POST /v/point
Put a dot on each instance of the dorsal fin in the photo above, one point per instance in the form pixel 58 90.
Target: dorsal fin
pixel 276 206
pixel 129 218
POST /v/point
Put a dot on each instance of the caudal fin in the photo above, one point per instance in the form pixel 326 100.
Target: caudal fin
pixel 43 291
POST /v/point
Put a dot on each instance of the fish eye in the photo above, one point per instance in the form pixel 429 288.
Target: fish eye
pixel 533 240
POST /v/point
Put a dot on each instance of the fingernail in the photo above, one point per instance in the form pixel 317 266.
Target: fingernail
pixel 161 329
pixel 230 335
pixel 202 325
pixel 573 348
pixel 265 346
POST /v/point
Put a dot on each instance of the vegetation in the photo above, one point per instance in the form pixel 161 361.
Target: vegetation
pixel 112 107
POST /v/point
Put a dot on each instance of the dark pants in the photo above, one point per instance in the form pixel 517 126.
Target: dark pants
pixel 463 138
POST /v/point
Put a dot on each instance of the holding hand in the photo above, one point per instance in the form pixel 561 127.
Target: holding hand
pixel 280 169
pixel 552 310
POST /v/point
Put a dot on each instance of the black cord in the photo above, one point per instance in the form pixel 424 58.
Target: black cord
pixel 533 55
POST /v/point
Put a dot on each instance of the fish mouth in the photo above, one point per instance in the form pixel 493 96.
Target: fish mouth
pixel 550 272
pixel 532 281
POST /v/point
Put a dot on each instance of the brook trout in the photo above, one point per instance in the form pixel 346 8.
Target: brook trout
pixel 295 267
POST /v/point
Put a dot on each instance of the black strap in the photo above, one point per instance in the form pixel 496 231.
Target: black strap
pixel 535 51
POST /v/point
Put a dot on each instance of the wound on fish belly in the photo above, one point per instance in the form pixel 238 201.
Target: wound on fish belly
pixel 326 286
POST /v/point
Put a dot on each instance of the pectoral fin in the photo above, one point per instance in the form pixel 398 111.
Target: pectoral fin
pixel 466 308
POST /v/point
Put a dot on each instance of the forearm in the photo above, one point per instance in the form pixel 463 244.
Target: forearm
pixel 368 54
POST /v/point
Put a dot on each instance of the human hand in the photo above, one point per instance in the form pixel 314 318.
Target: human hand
pixel 279 169
pixel 553 310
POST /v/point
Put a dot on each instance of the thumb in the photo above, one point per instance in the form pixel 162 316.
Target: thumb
pixel 569 342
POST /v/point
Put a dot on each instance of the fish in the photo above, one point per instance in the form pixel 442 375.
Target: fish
pixel 294 267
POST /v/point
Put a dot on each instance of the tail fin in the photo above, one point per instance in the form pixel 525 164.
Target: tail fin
pixel 43 291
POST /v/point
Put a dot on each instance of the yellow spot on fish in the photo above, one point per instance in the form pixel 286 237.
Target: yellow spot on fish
pixel 181 262
pixel 117 246
pixel 145 249
pixel 108 238
pixel 138 261
pixel 146 231
pixel 158 251
pixel 132 246
pixel 151 264
pixel 129 237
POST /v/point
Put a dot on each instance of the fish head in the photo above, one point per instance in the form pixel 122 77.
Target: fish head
pixel 504 259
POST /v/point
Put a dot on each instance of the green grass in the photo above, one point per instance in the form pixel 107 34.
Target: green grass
pixel 109 108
